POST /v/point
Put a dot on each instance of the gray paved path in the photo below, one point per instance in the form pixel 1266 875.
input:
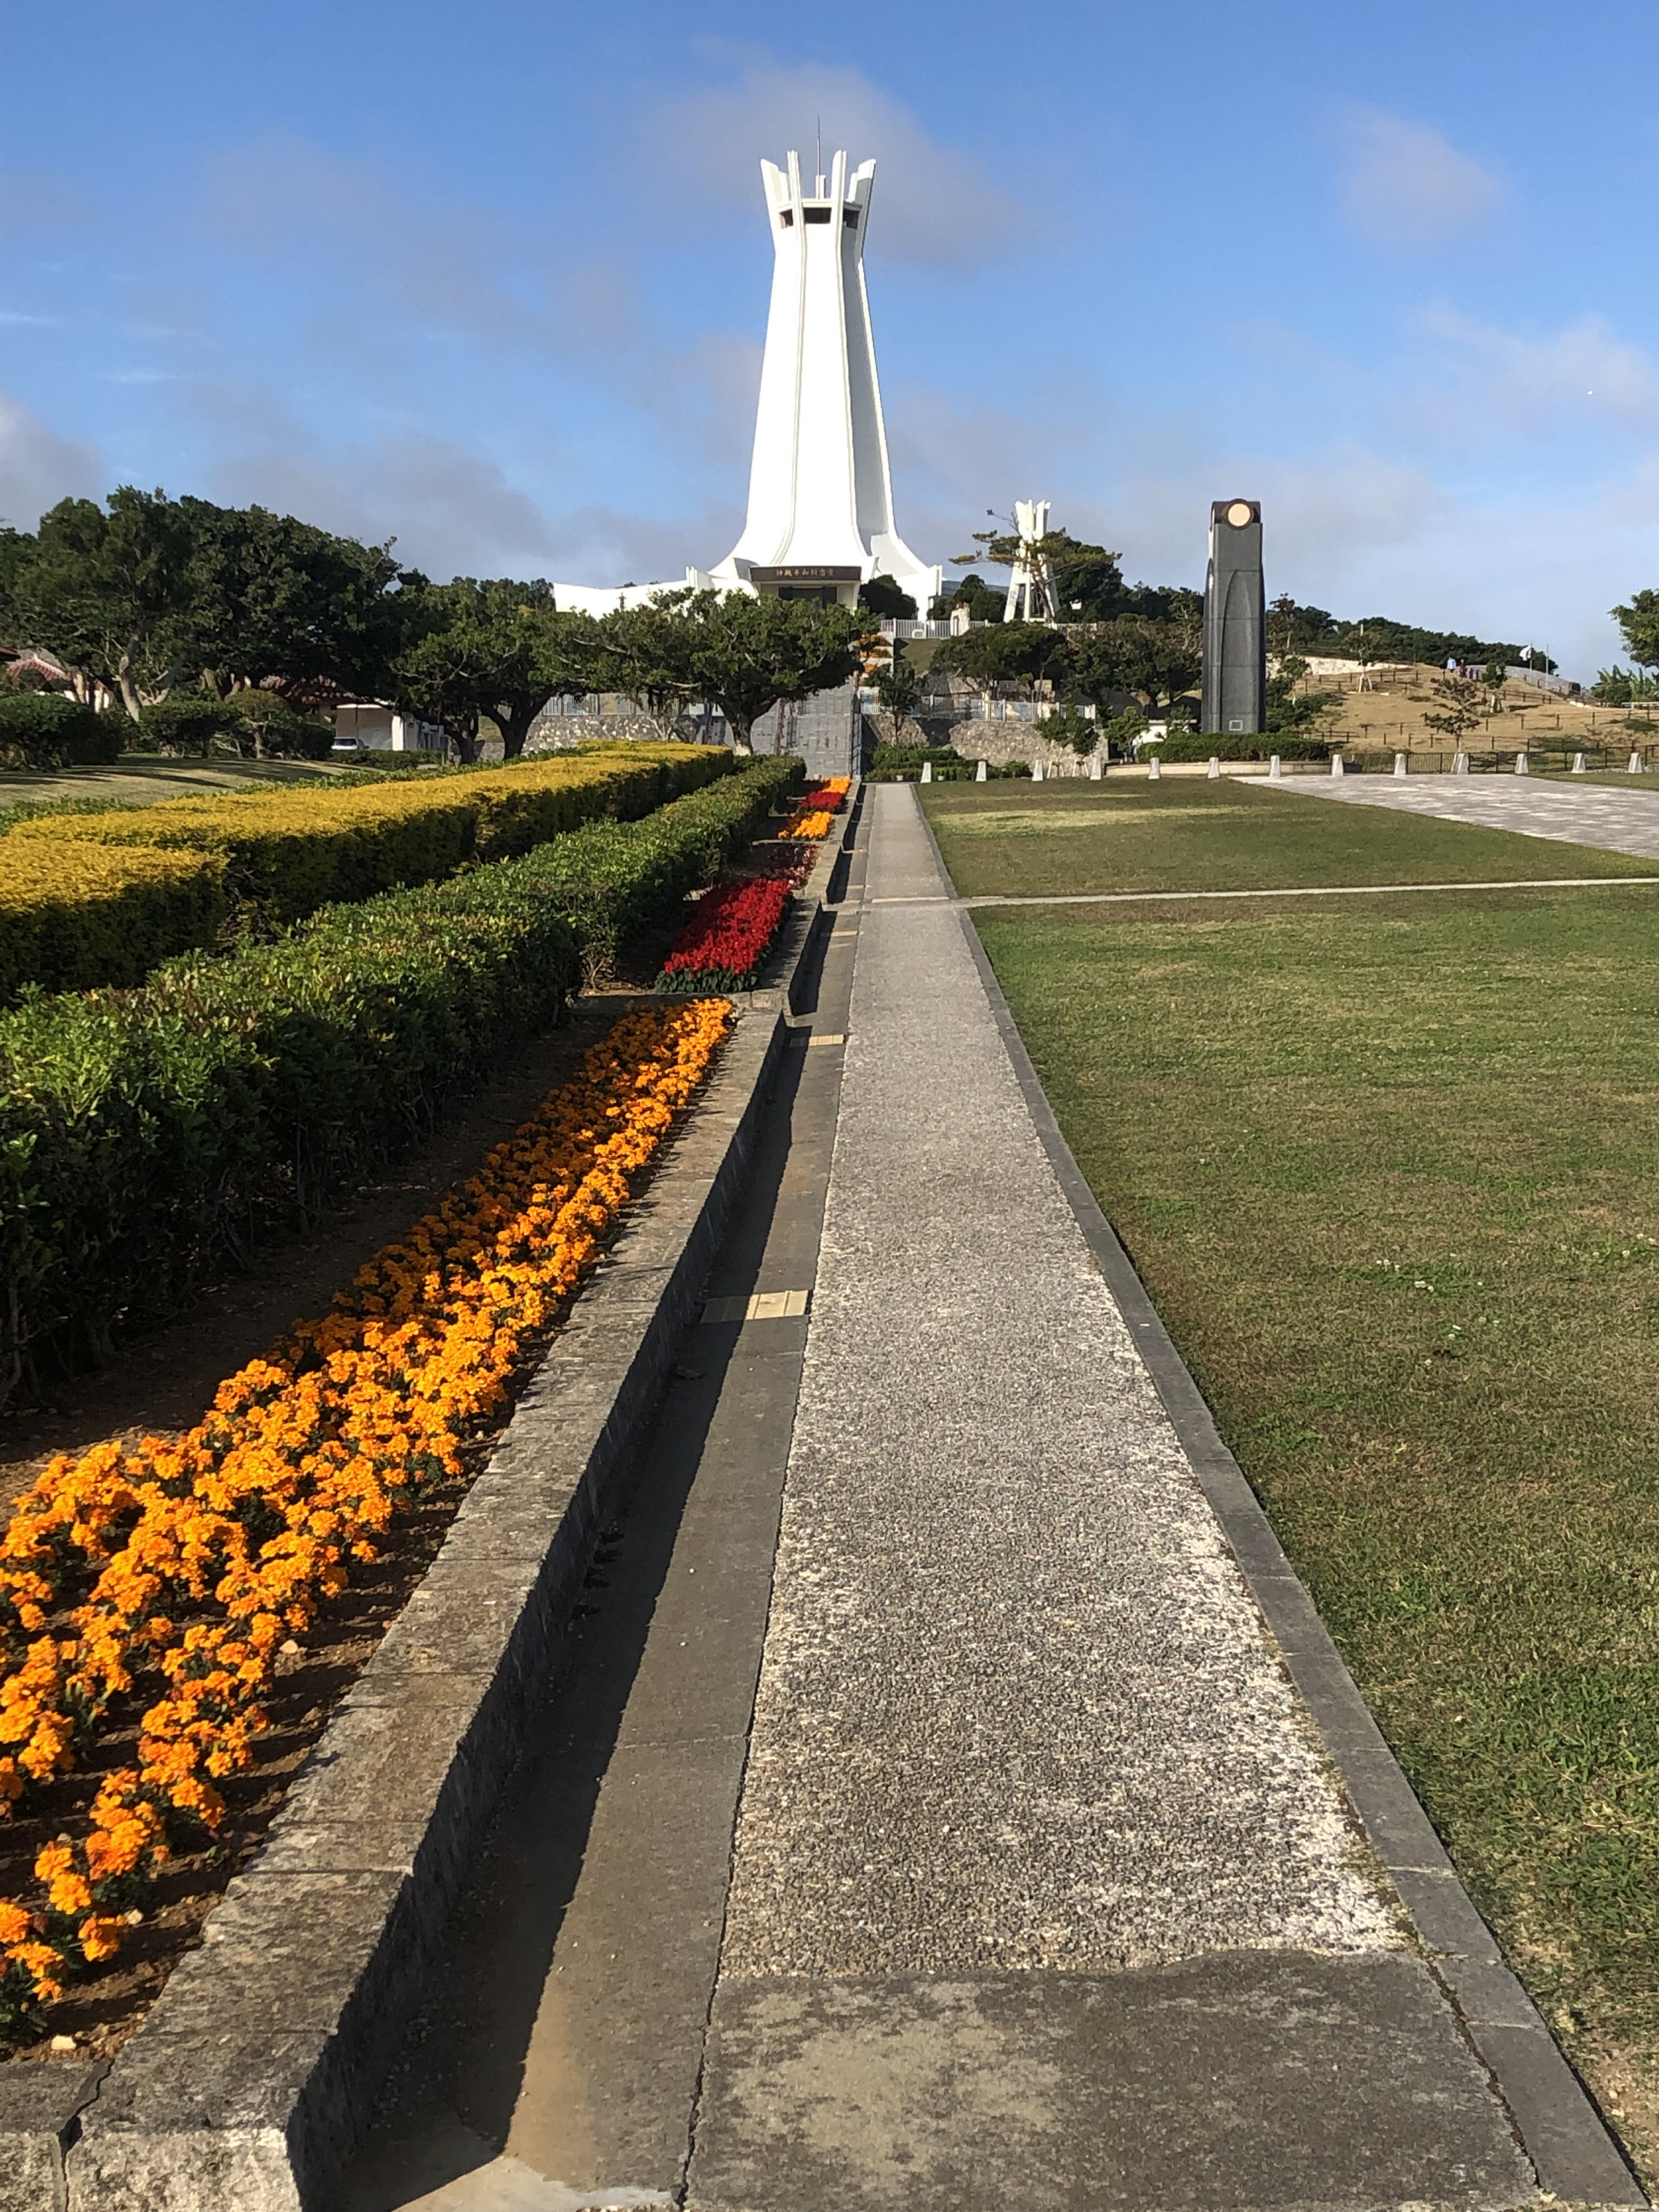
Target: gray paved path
pixel 1041 1894
pixel 1572 814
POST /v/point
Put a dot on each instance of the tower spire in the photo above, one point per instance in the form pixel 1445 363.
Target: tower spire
pixel 820 518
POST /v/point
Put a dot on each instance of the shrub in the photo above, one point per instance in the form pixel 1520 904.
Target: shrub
pixel 613 879
pixel 48 729
pixel 277 732
pixel 189 721
pixel 902 764
pixel 145 1136
pixel 74 916
pixel 288 851
pixel 1199 744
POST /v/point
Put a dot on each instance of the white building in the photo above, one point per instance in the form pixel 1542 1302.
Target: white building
pixel 380 728
pixel 820 519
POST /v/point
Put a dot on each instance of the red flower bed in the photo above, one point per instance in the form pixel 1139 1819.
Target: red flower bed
pixel 825 799
pixel 727 938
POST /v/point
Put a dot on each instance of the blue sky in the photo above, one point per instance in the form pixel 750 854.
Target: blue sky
pixel 493 279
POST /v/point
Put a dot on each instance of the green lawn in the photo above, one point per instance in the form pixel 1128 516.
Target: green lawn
pixel 1021 840
pixel 1388 1170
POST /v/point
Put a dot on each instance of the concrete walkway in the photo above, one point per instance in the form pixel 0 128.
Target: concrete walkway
pixel 926 1821
pixel 1043 1894
pixel 1570 813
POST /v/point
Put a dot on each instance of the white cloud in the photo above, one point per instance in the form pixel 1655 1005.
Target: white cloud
pixel 37 468
pixel 1407 186
pixel 933 202
pixel 1535 386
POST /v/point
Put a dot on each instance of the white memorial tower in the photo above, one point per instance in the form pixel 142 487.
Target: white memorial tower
pixel 820 490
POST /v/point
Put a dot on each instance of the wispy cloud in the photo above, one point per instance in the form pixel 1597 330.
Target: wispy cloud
pixel 933 202
pixel 1537 385
pixel 37 468
pixel 448 267
pixel 1407 187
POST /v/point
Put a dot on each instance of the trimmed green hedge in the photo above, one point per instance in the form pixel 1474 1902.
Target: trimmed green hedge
pixel 902 764
pixel 613 879
pixel 48 729
pixel 147 1137
pixel 292 849
pixel 74 916
pixel 287 850
pixel 1203 745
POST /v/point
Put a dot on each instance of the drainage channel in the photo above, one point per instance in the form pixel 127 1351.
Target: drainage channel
pixel 555 2059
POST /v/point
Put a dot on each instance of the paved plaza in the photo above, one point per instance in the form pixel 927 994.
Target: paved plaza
pixel 928 1820
pixel 1572 813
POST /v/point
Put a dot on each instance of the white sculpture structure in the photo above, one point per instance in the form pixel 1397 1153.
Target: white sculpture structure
pixel 820 519
pixel 1031 586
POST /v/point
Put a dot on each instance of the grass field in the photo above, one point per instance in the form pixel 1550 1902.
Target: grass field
pixel 1388 1170
pixel 1024 839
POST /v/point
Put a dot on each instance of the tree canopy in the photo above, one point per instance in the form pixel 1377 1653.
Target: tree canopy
pixel 747 655
pixel 1003 653
pixel 1088 582
pixel 141 595
pixel 1305 630
pixel 1639 622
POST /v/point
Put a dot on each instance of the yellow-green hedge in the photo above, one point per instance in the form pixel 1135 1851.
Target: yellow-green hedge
pixel 288 851
pixel 76 915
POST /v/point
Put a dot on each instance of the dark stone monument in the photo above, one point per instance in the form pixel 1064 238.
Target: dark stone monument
pixel 1235 621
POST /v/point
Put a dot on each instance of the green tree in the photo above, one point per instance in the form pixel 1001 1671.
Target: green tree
pixel 1287 710
pixel 568 661
pixel 1155 662
pixel 646 654
pixel 271 600
pixel 898 687
pixel 984 602
pixel 1461 705
pixel 1070 726
pixel 1291 628
pixel 105 590
pixel 748 655
pixel 1639 622
pixel 1019 653
pixel 1087 582
pixel 187 721
pixel 882 597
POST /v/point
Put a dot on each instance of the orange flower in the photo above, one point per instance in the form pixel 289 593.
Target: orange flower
pixel 246 1524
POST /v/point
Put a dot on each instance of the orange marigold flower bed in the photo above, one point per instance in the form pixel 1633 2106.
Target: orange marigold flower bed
pixel 815 824
pixel 170 1574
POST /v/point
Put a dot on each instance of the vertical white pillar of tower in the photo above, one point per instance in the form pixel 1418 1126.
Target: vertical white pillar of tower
pixel 820 489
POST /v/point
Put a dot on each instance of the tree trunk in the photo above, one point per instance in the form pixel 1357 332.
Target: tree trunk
pixel 515 726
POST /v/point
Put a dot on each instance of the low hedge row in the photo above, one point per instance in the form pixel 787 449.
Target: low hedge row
pixel 147 1136
pixel 74 916
pixel 613 879
pixel 48 729
pixel 903 764
pixel 289 850
pixel 1199 744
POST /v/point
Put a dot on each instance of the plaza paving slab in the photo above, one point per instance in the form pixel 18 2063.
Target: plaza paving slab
pixel 1572 814
pixel 1043 1891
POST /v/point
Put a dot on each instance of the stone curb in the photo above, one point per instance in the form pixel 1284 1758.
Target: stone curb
pixel 1575 2158
pixel 250 2081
